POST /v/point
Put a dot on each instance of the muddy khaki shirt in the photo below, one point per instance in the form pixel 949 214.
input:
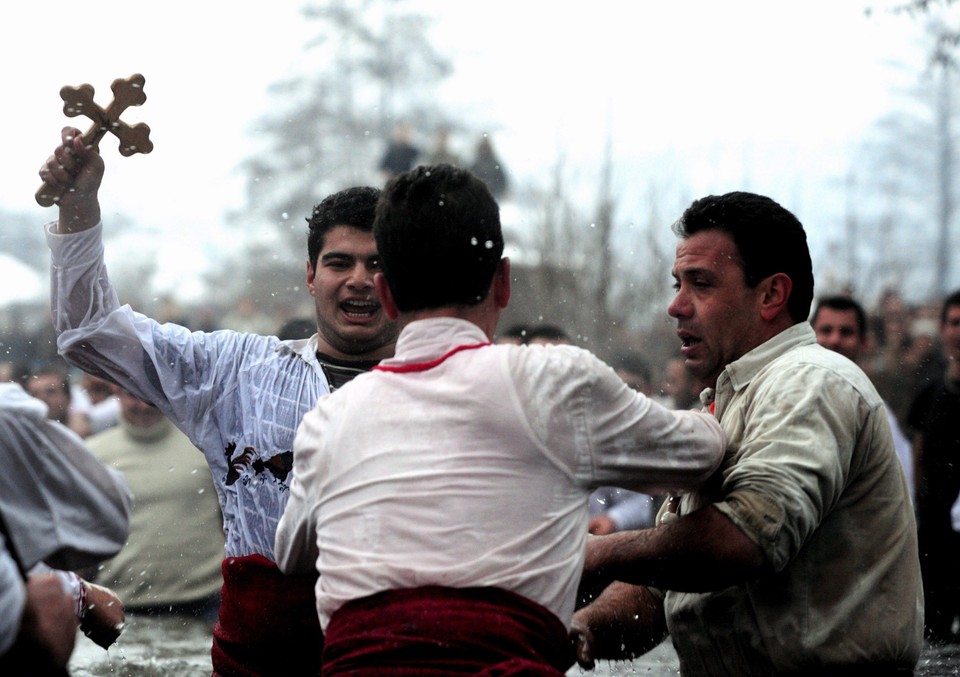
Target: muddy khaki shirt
pixel 811 476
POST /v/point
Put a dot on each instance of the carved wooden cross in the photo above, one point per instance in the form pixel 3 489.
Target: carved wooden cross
pixel 79 101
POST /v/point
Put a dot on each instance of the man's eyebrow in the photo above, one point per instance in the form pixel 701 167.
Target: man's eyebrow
pixel 686 272
pixel 335 255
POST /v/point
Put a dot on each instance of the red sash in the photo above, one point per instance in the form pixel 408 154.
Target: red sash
pixel 268 622
pixel 434 631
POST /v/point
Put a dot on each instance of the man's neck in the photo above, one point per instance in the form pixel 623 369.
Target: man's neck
pixel 340 372
pixel 481 315
pixel 381 352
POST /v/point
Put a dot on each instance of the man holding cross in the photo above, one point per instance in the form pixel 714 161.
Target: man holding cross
pixel 238 397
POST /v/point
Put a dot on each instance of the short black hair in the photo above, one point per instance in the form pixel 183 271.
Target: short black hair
pixel 354 207
pixel 768 238
pixel 547 332
pixel 633 363
pixel 57 368
pixel 438 233
pixel 953 299
pixel 516 331
pixel 843 304
pixel 297 328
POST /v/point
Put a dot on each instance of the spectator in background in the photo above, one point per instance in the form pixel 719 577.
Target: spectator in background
pixel 547 334
pixel 12 371
pixel 297 328
pixel 171 561
pixel 59 507
pixel 924 357
pixel 440 153
pixel 400 155
pixel 95 404
pixel 935 418
pixel 905 359
pixel 678 388
pixel 488 167
pixel 50 383
pixel 891 331
pixel 634 371
pixel 514 335
pixel 840 324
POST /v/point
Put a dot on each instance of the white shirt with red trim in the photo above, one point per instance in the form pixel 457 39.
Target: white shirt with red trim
pixel 462 464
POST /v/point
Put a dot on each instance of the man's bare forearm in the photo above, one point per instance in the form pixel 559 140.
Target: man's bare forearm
pixel 697 552
pixel 624 622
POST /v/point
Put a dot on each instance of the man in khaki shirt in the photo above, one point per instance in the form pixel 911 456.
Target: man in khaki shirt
pixel 801 556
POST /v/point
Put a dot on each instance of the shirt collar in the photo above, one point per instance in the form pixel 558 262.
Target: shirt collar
pixel 742 371
pixel 425 340
pixel 305 349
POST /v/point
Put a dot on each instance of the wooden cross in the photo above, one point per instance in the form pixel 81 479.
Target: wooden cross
pixel 79 101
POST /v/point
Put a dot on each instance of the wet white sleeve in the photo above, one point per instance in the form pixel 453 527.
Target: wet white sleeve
pixel 13 597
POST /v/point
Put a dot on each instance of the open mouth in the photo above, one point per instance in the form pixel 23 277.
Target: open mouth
pixel 687 340
pixel 359 309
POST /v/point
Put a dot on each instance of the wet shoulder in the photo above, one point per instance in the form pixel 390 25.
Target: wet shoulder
pixel 813 367
pixel 552 368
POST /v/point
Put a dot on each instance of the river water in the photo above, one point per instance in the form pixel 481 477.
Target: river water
pixel 174 646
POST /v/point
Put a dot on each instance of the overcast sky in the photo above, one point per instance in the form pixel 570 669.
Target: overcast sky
pixel 698 96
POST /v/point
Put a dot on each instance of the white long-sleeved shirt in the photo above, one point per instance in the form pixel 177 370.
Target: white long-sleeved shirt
pixel 475 467
pixel 238 397
pixel 13 597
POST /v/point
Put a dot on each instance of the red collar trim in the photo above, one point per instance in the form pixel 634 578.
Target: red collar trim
pixel 424 366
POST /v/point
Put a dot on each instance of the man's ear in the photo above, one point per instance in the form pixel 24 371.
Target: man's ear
pixel 311 273
pixel 386 298
pixel 501 283
pixel 774 295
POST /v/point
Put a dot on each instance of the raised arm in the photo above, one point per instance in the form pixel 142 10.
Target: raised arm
pixel 76 171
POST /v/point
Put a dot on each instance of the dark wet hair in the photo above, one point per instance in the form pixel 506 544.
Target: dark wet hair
pixel 352 207
pixel 547 332
pixel 633 363
pixel 953 299
pixel 844 304
pixel 768 238
pixel 516 331
pixel 297 328
pixel 438 233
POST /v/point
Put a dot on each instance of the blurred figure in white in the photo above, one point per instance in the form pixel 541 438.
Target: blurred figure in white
pixel 171 561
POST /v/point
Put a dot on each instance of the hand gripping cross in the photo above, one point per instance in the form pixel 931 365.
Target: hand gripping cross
pixel 79 101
